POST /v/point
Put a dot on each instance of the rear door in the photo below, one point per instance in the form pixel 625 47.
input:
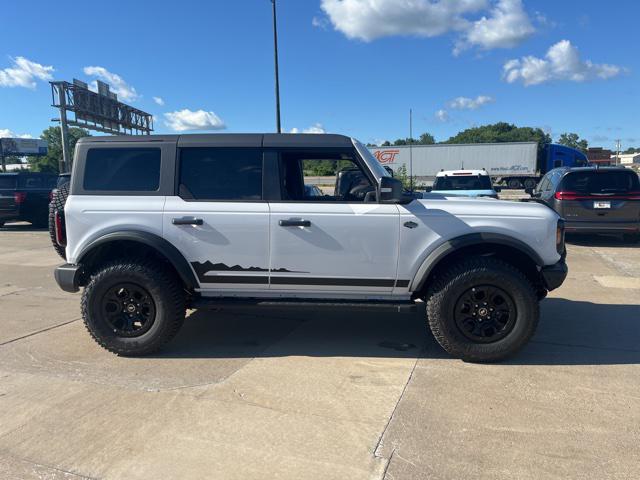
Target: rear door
pixel 600 196
pixel 337 242
pixel 218 219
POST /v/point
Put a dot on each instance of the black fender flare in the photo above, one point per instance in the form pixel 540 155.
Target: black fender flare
pixel 449 246
pixel 159 244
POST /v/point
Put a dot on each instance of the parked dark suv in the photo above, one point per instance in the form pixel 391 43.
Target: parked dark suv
pixel 594 199
pixel 25 196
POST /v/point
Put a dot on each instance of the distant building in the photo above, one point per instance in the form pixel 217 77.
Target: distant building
pixel 627 158
pixel 600 156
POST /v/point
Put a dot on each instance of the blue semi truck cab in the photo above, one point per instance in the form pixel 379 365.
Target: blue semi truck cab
pixel 549 157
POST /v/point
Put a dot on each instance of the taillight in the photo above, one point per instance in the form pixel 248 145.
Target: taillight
pixel 19 197
pixel 566 195
pixel 560 237
pixel 634 195
pixel 61 236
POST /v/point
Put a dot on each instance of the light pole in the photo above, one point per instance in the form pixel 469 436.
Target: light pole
pixel 275 51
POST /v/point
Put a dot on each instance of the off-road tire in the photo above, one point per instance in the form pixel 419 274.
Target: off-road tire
pixel 165 290
pixel 451 284
pixel 57 204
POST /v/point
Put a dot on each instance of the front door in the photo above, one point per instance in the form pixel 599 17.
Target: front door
pixel 327 232
pixel 219 221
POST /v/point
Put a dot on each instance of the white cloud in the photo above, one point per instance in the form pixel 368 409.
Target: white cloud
pixel 370 19
pixel 315 128
pixel 118 85
pixel 561 62
pixel 6 133
pixel 159 100
pixel 507 26
pixel 442 115
pixel 320 22
pixel 183 120
pixel 24 73
pixel 466 103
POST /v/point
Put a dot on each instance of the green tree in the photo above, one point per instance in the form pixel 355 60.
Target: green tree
pixel 425 139
pixel 573 140
pixel 632 150
pixel 49 163
pixel 503 132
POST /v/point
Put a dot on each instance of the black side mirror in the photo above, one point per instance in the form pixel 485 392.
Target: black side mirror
pixel 529 190
pixel 390 190
pixel 428 189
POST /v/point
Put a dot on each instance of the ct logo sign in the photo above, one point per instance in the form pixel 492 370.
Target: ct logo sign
pixel 386 156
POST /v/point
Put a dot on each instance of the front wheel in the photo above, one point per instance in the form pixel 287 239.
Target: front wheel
pixel 482 310
pixel 133 308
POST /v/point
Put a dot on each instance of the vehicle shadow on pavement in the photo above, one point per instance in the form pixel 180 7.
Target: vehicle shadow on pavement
pixel 600 241
pixel 280 332
pixel 570 333
pixel 584 333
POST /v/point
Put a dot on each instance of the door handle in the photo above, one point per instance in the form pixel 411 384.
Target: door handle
pixel 294 223
pixel 187 221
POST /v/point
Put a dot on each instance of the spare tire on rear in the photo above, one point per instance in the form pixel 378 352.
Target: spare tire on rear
pixel 58 201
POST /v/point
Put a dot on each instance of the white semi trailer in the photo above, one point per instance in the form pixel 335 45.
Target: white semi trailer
pixel 516 163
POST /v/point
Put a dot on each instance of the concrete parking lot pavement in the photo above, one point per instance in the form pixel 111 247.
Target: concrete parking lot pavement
pixel 286 394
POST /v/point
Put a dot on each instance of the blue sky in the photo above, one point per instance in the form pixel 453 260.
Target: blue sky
pixel 347 66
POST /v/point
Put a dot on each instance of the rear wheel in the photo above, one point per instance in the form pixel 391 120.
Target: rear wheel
pixel 482 310
pixel 530 183
pixel 514 183
pixel 133 308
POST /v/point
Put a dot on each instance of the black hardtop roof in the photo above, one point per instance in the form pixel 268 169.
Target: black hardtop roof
pixel 306 140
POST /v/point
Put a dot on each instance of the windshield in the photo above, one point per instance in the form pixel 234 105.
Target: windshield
pixel 601 182
pixel 470 182
pixel 378 170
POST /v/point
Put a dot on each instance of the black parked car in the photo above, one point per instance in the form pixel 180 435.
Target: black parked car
pixel 26 196
pixel 594 199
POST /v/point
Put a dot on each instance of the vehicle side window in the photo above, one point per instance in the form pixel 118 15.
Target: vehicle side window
pixel 122 169
pixel 544 184
pixel 336 175
pixel 220 173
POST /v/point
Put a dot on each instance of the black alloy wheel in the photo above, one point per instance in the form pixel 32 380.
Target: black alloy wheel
pixel 485 314
pixel 128 309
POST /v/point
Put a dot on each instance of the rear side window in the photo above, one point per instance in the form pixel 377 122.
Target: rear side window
pixel 8 183
pixel 594 182
pixel 220 174
pixel 122 169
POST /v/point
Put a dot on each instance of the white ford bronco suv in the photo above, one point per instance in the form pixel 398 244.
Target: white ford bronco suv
pixel 155 225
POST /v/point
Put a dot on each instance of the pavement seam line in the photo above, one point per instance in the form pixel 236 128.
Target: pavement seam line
pixel 39 331
pixel 44 465
pixel 404 389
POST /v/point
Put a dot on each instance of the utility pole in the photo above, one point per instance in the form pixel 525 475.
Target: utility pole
pixel 64 163
pixel 617 152
pixel 410 150
pixel 275 51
